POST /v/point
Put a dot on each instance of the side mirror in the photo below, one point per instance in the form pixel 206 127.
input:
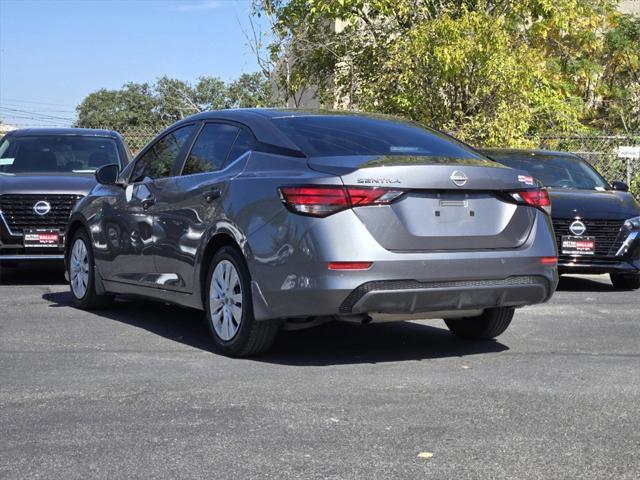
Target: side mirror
pixel 107 174
pixel 620 186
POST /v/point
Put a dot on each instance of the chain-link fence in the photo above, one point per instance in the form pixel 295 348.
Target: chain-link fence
pixel 138 137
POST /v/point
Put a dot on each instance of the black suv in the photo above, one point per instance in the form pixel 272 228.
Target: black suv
pixel 43 173
pixel 597 223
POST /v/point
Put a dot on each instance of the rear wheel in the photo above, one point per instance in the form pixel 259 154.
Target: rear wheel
pixel 80 267
pixel 491 323
pixel 229 308
pixel 622 281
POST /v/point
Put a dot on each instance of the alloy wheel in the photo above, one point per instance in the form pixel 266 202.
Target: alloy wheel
pixel 79 268
pixel 225 300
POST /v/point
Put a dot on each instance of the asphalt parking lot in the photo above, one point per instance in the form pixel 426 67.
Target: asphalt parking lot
pixel 137 392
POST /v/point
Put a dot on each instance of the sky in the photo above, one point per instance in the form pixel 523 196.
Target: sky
pixel 55 52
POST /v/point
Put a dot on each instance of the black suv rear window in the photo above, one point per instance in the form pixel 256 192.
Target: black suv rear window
pixel 336 135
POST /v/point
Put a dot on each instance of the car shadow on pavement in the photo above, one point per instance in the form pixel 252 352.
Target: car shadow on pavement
pixel 340 343
pixel 599 283
pixel 32 274
pixel 335 343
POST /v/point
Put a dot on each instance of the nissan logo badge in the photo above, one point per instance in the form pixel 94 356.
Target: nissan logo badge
pixel 577 228
pixel 458 178
pixel 42 207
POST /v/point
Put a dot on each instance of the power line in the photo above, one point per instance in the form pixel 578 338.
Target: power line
pixel 36 103
pixel 35 114
pixel 34 122
pixel 43 109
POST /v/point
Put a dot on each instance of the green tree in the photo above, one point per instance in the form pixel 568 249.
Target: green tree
pixel 176 99
pixel 249 90
pixel 618 92
pixel 133 105
pixel 211 93
pixel 168 100
pixel 493 71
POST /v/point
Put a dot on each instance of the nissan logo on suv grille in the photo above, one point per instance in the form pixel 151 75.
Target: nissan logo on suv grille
pixel 577 228
pixel 42 207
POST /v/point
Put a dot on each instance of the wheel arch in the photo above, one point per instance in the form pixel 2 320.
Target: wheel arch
pixel 216 241
pixel 75 223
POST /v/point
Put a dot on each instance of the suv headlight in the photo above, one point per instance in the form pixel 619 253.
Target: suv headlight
pixel 632 223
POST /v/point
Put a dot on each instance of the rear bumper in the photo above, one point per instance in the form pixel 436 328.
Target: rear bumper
pixel 405 296
pixel 416 297
pixel 296 282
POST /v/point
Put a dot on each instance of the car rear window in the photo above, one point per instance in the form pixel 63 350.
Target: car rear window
pixel 336 135
pixel 56 153
pixel 556 171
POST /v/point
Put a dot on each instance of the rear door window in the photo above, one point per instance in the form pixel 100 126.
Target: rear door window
pixel 158 161
pixel 211 148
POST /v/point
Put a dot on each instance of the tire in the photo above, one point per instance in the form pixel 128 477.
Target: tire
pixel 622 281
pixel 80 268
pixel 234 329
pixel 491 323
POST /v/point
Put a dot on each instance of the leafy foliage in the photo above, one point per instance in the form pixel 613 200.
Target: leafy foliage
pixel 494 72
pixel 619 89
pixel 168 100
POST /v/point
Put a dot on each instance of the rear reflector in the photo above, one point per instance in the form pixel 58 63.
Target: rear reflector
pixel 538 197
pixel 549 260
pixel 323 200
pixel 349 265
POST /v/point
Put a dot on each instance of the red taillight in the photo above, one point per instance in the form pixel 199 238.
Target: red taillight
pixel 549 261
pixel 323 200
pixel 349 265
pixel 316 201
pixel 365 196
pixel 538 198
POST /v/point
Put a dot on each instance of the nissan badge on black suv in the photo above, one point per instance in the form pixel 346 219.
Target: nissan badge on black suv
pixel 270 219
pixel 597 223
pixel 43 173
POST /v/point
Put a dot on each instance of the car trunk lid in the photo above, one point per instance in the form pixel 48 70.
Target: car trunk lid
pixel 448 204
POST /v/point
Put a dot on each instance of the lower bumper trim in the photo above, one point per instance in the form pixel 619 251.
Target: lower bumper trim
pixel 408 296
pixel 597 265
pixel 25 258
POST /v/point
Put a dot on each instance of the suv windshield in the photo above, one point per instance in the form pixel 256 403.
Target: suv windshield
pixel 557 171
pixel 336 135
pixel 56 154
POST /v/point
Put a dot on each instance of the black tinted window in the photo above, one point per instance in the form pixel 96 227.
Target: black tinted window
pixel 557 171
pixel 56 153
pixel 160 158
pixel 334 135
pixel 210 148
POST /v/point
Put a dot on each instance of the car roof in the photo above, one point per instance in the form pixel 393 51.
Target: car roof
pixel 259 120
pixel 86 132
pixel 543 154
pixel 283 113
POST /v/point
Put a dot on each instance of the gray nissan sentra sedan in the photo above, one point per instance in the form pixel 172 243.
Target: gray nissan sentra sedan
pixel 270 219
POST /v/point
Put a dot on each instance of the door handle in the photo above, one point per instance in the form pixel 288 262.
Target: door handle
pixel 148 202
pixel 211 195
